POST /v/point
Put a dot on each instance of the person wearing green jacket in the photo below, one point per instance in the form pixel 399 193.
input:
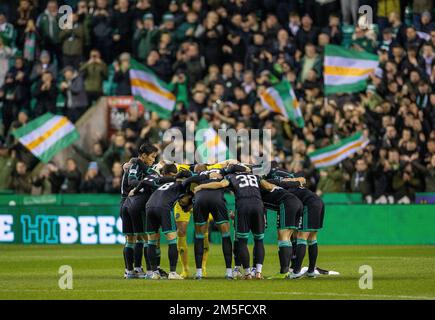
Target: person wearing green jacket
pixel 49 29
pixel 94 71
pixel 331 181
pixel 146 37
pixel 73 43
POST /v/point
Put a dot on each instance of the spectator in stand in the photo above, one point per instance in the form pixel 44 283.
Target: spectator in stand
pixel 5 55
pixel 101 30
pixel 49 180
pixel 45 94
pixel 419 7
pixel 93 181
pixel 7 165
pixel 94 72
pixel 71 177
pixel 43 65
pixel 361 181
pixel 21 181
pixel 113 181
pixel 73 89
pixel 122 75
pixel 349 9
pixel 49 30
pixel 73 42
pixel 122 26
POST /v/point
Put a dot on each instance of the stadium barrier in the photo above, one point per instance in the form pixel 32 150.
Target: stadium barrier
pixel 94 219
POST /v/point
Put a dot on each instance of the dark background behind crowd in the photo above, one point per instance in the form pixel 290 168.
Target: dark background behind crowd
pixel 225 53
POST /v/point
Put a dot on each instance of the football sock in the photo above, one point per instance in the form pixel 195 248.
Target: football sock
pixel 125 259
pixel 158 255
pixel 152 248
pixel 259 249
pixel 199 250
pixel 300 254
pixel 138 253
pixel 293 253
pixel 244 252
pixel 206 249
pixel 236 253
pixel 145 254
pixel 129 255
pixel 284 253
pixel 227 249
pixel 259 267
pixel 312 255
pixel 172 255
pixel 182 249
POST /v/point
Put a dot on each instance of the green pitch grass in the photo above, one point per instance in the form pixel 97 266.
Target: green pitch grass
pixel 31 272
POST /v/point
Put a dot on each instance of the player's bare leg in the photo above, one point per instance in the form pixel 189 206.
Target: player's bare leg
pixel 227 248
pixel 301 248
pixel 182 247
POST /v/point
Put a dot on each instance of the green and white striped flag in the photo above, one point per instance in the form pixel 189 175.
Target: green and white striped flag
pixel 154 93
pixel 346 71
pixel 47 135
pixel 281 99
pixel 335 153
pixel 209 145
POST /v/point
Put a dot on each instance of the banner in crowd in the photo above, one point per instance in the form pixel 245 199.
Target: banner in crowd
pixel 47 135
pixel 209 145
pixel 335 153
pixel 154 93
pixel 281 99
pixel 346 71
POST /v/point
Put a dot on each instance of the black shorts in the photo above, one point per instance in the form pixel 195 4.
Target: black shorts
pixel 132 216
pixel 157 217
pixel 249 218
pixel 206 202
pixel 313 212
pixel 288 208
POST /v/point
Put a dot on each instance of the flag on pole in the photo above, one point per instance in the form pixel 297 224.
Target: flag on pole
pixel 47 135
pixel 281 99
pixel 346 71
pixel 210 146
pixel 150 90
pixel 335 153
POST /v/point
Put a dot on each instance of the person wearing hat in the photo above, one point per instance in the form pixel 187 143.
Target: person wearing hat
pixel 168 24
pixel 426 23
pixel 418 8
pixel 146 36
pixel 93 181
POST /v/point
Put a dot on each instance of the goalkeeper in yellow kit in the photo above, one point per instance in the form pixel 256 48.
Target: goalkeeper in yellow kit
pixel 182 219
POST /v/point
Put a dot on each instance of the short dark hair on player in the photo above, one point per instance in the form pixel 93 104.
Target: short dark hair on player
pixel 147 149
pixel 169 168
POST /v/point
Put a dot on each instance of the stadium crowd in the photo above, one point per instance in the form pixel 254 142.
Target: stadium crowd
pixel 224 51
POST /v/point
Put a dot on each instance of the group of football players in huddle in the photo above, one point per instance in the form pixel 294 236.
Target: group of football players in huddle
pixel 160 198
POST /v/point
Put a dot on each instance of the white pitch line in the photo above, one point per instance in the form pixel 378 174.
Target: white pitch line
pixel 330 294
